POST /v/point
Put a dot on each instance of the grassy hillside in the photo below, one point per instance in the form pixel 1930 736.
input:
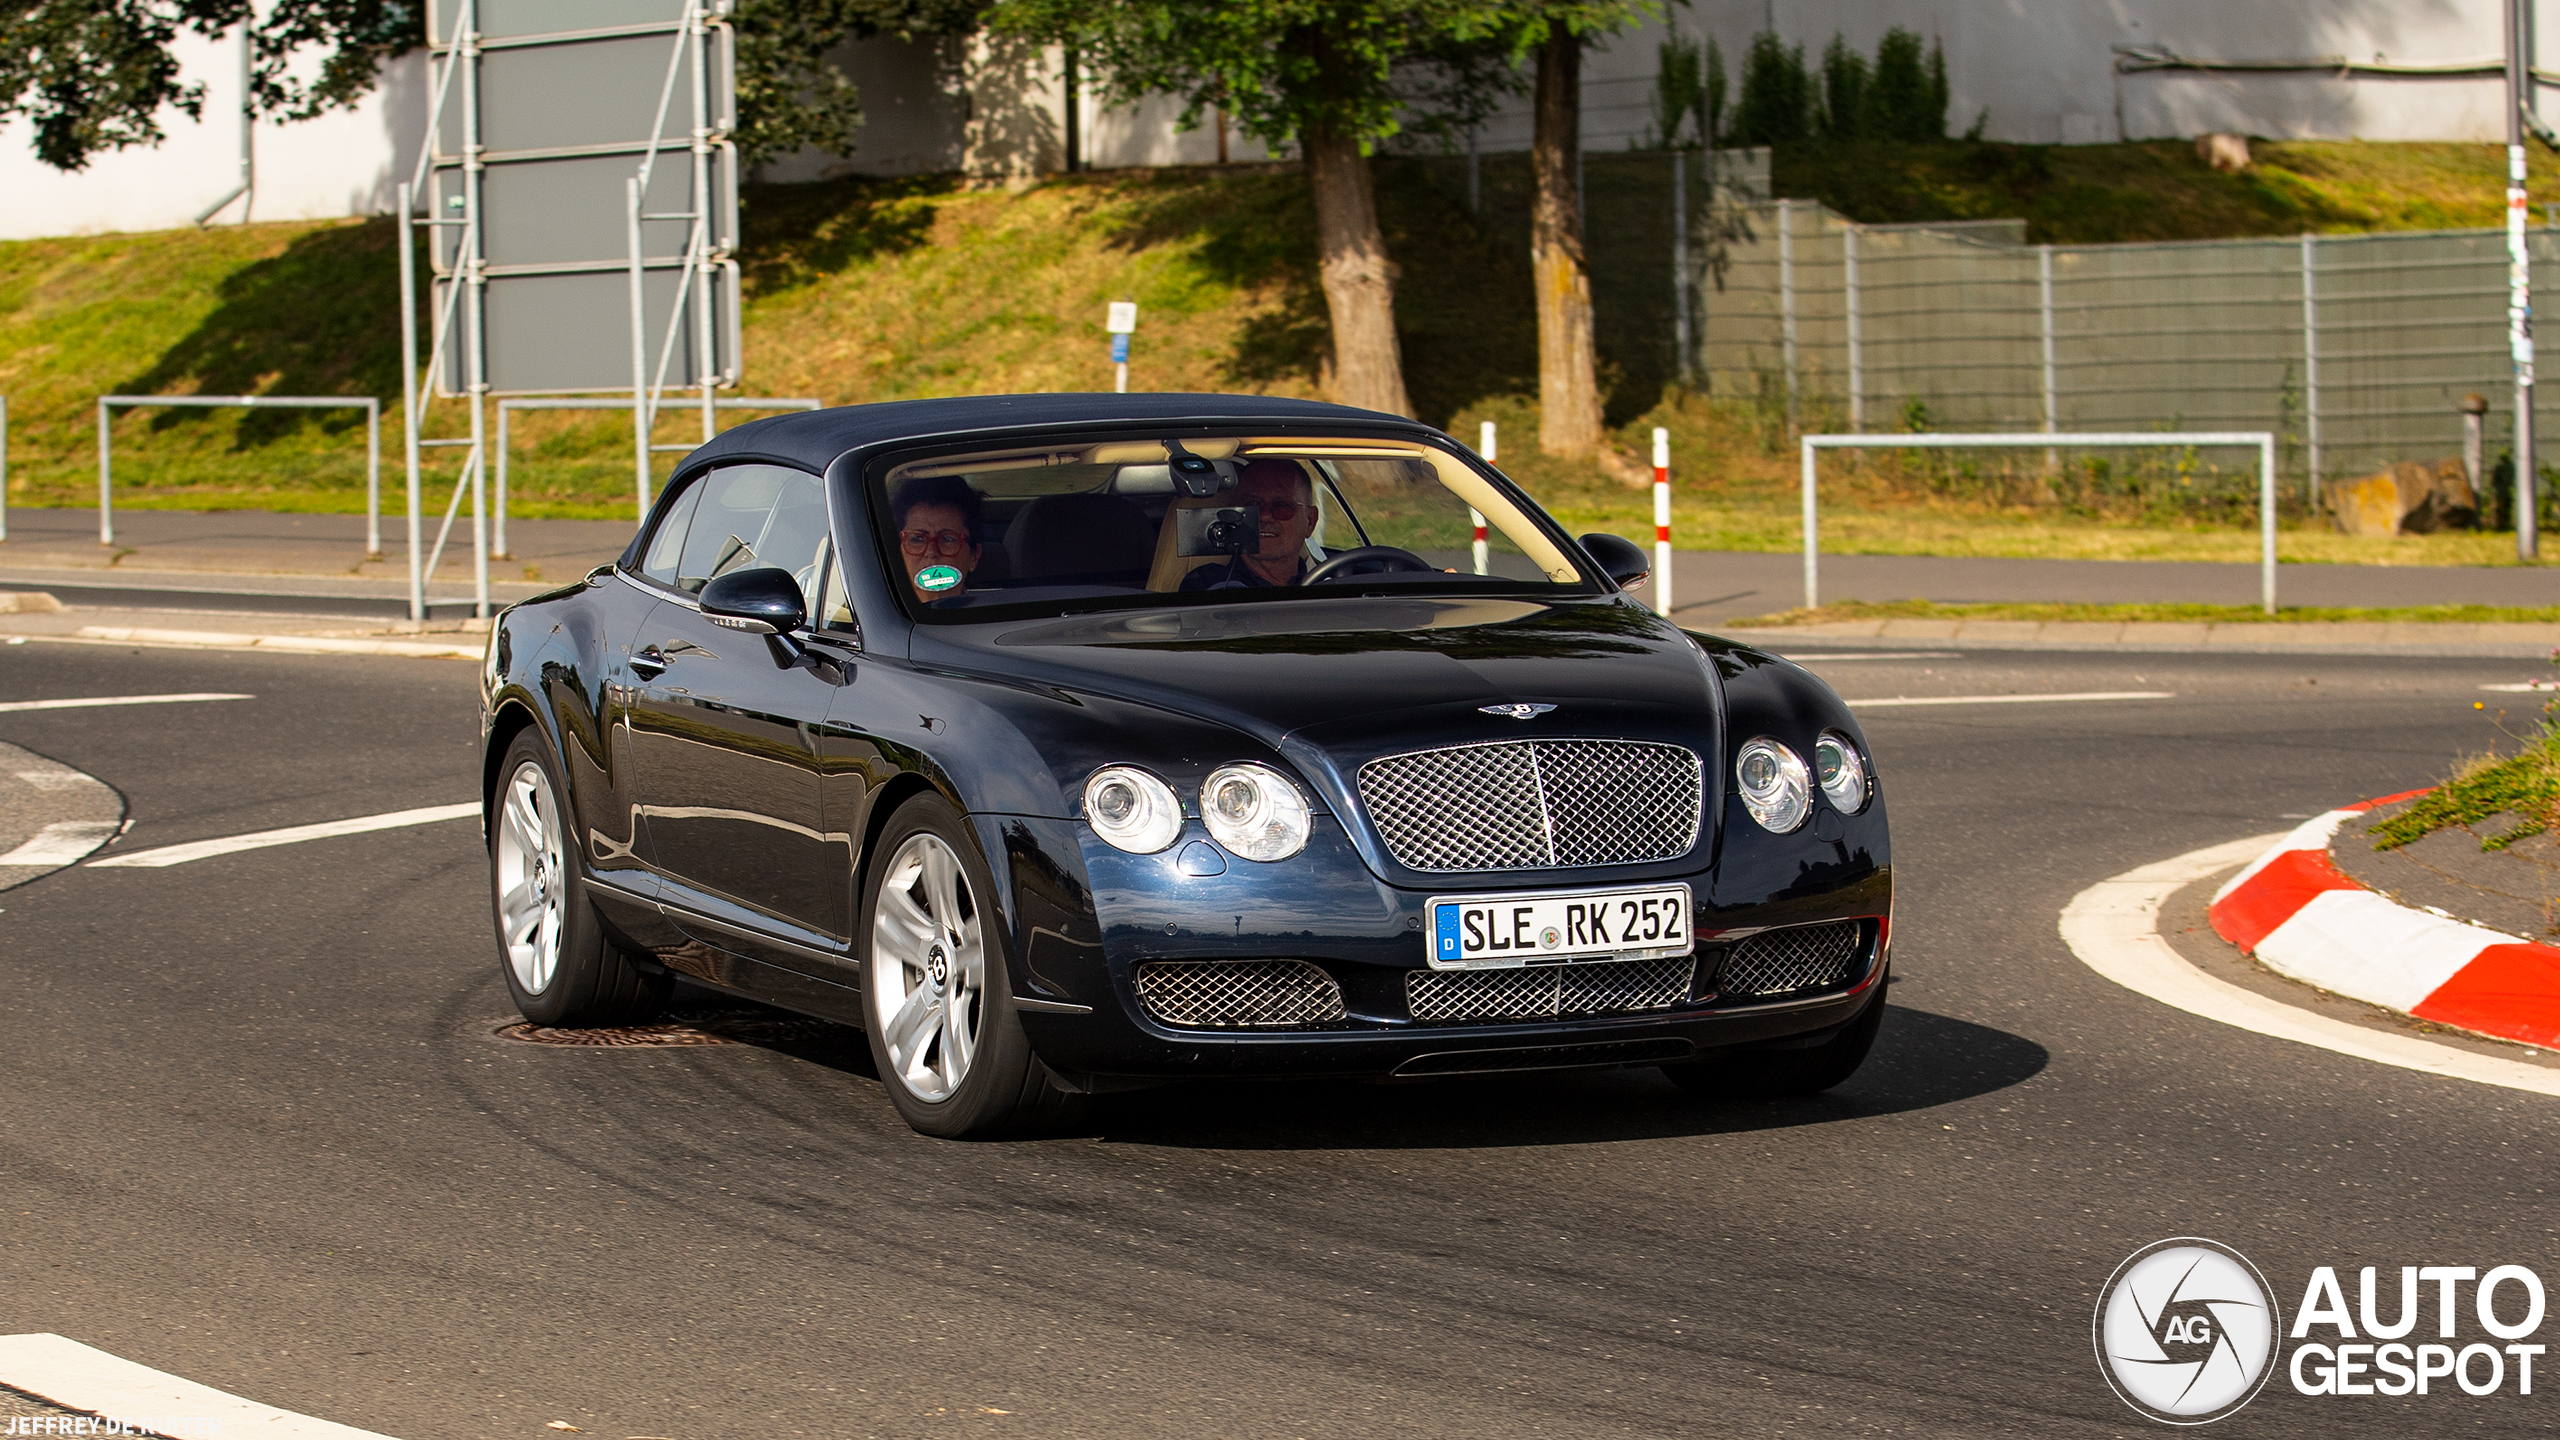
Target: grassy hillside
pixel 874 290
pixel 2159 190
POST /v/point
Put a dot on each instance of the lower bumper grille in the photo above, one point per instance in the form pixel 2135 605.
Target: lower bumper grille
pixel 1543 992
pixel 1238 994
pixel 1796 960
pixel 1547 1057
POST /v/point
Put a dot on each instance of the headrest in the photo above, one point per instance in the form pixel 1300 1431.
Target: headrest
pixel 1078 535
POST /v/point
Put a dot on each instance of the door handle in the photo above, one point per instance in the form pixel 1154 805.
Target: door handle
pixel 649 663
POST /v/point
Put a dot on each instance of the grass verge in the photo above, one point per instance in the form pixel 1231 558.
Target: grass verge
pixel 1848 610
pixel 2524 787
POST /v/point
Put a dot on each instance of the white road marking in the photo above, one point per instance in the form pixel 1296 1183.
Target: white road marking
pixel 63 779
pixel 2114 927
pixel 2018 699
pixel 1807 657
pixel 2529 685
pixel 117 700
pixel 77 1377
pixel 290 835
pixel 62 842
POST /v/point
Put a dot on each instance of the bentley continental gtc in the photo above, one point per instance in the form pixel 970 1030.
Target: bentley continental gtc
pixel 1073 743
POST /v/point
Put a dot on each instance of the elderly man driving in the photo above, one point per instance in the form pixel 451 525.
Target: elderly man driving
pixel 1288 502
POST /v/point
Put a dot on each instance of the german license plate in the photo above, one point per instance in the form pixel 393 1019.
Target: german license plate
pixel 1497 932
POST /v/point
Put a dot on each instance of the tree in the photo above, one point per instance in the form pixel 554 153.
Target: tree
pixel 96 75
pixel 790 97
pixel 1569 413
pixel 1910 96
pixel 1776 104
pixel 1849 92
pixel 1331 78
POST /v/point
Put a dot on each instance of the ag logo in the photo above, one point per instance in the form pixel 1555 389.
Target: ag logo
pixel 2186 1331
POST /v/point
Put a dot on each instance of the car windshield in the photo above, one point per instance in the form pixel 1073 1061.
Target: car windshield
pixel 1133 523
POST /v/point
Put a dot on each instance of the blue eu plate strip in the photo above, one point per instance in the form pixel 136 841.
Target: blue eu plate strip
pixel 1444 928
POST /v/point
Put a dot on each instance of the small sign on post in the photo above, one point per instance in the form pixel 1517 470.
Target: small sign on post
pixel 1123 318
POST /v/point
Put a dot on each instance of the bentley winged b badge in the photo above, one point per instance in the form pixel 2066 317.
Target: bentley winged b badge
pixel 1516 711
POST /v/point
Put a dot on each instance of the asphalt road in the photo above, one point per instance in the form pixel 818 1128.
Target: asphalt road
pixel 257 1132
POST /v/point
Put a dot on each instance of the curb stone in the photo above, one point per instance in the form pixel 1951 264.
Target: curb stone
pixel 2300 915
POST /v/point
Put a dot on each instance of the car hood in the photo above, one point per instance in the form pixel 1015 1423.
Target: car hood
pixel 1332 684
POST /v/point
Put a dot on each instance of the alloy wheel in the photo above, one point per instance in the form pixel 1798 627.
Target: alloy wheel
pixel 531 898
pixel 928 976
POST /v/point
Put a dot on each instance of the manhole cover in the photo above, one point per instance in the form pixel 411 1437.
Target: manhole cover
pixel 723 1027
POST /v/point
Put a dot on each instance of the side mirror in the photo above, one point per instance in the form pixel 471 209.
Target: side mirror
pixel 762 601
pixel 1621 559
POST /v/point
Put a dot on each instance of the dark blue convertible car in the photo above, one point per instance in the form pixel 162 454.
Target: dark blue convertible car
pixel 1069 743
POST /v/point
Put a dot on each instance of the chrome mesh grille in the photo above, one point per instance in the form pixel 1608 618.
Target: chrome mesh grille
pixel 1543 992
pixel 1798 958
pixel 1231 994
pixel 1535 804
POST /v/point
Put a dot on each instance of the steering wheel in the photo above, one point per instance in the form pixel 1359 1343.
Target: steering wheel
pixel 1387 556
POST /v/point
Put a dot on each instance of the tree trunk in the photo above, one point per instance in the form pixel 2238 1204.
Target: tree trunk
pixel 1359 281
pixel 1568 361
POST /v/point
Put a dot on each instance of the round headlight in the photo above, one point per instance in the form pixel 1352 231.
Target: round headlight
pixel 1254 811
pixel 1774 787
pixel 1840 771
pixel 1132 809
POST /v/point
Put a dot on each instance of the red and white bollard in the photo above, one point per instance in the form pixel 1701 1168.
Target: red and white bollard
pixel 1661 521
pixel 1486 449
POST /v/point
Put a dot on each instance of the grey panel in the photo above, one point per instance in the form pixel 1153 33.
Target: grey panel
pixel 545 17
pixel 573 332
pixel 597 93
pixel 548 211
pixel 538 212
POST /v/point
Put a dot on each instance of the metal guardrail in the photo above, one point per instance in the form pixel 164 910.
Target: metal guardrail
pixel 2263 440
pixel 372 438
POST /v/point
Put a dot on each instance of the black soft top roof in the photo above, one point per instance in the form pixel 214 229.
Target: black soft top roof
pixel 813 439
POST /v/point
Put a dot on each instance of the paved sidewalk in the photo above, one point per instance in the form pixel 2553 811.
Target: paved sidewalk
pixel 176 543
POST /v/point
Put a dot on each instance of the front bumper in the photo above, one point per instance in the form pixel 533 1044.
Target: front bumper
pixel 1083 939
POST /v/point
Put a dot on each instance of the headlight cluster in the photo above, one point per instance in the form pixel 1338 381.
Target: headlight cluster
pixel 1778 790
pixel 1253 810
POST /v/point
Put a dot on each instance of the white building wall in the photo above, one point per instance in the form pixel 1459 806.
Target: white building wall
pixel 343 163
pixel 2044 70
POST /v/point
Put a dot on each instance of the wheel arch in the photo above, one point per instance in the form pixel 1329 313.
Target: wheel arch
pixel 512 718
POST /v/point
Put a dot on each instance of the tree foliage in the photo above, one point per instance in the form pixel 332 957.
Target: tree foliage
pixel 95 75
pixel 1280 68
pixel 1776 105
pixel 1899 95
pixel 98 75
pixel 790 97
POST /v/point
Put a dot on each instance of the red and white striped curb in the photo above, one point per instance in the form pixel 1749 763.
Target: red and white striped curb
pixel 2299 914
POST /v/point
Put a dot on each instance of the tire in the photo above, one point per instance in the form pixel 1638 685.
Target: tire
pixel 560 965
pixel 1768 1073
pixel 937 1001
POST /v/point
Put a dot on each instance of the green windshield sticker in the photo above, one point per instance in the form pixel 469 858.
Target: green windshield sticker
pixel 937 577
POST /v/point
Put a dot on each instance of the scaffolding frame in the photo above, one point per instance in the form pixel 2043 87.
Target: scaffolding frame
pixel 460 322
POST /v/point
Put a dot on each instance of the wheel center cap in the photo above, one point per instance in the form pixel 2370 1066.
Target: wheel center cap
pixel 937 967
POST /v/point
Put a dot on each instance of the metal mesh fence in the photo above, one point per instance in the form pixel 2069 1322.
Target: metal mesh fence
pixel 2353 348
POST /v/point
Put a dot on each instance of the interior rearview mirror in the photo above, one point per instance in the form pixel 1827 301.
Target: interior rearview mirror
pixel 1621 559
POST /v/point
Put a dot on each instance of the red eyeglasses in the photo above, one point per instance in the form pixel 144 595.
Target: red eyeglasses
pixel 947 542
